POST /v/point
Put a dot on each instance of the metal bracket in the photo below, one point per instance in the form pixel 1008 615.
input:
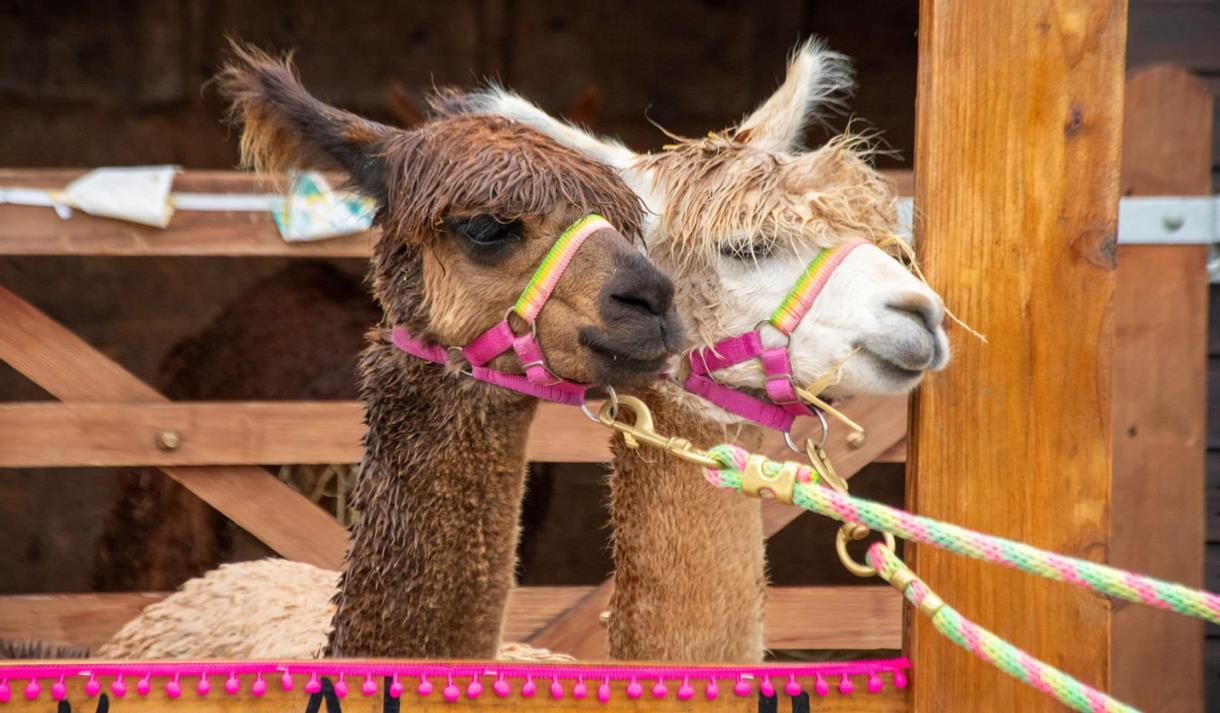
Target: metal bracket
pixel 1168 220
pixel 1157 220
pixel 1145 220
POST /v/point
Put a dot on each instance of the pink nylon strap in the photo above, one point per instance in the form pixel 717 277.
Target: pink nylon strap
pixel 529 351
pixel 489 344
pixel 780 389
pixel 727 352
pixel 561 391
pixel 779 413
pixel 739 403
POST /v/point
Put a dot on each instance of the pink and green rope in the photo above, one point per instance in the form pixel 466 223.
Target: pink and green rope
pixel 991 648
pixel 1100 578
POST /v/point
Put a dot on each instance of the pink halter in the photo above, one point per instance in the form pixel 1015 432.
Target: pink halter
pixel 538 380
pixel 782 403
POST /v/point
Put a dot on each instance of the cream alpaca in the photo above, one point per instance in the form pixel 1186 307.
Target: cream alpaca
pixel 737 218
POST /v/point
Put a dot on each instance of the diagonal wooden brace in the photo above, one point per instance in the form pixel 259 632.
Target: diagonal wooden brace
pixel 69 369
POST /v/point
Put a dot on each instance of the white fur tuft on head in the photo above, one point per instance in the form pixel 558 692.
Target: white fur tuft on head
pixel 818 80
pixel 501 102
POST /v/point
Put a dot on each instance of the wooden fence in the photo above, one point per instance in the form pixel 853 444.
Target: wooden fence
pixel 1146 516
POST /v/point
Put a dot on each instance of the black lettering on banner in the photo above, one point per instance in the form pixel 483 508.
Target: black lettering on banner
pixel 768 704
pixel 326 694
pixel 800 704
pixel 389 704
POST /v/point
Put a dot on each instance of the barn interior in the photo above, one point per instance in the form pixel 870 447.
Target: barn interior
pixel 118 83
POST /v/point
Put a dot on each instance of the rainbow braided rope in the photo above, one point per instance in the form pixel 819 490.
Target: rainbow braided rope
pixel 989 647
pixel 805 291
pixel 1110 581
pixel 550 270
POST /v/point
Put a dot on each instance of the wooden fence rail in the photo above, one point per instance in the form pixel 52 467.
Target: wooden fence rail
pixel 797 617
pixel 55 435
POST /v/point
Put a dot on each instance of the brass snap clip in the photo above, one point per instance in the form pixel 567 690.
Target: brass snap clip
pixel 779 483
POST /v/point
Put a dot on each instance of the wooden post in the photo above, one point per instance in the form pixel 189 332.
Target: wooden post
pixel 1019 117
pixel 1160 395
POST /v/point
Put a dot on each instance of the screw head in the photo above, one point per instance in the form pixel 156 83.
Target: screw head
pixel 1173 222
pixel 168 440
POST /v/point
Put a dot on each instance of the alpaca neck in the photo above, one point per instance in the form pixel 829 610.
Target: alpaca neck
pixel 432 555
pixel 689 562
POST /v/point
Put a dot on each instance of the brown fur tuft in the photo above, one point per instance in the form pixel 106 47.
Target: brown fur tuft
pixel 285 127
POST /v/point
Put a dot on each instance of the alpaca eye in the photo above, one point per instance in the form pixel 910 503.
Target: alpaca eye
pixel 486 230
pixel 748 249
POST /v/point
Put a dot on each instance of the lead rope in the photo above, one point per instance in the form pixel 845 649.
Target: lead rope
pixel 987 646
pixel 732 467
pixel 1100 578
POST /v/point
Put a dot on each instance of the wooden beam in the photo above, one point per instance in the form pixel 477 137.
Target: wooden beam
pixel 71 370
pixel 1160 390
pixel 854 617
pixel 579 630
pixel 86 620
pixel 850 618
pixel 237 433
pixel 28 230
pixel 1019 118
pixel 63 435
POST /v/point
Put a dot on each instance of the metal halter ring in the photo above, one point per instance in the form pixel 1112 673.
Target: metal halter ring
pixel 533 323
pixel 821 442
pixel 766 322
pixel 611 396
pixel 856 531
pixel 468 370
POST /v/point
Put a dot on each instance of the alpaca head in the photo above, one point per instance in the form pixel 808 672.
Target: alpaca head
pixel 469 206
pixel 735 218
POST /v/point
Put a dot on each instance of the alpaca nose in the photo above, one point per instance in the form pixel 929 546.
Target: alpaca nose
pixel 639 287
pixel 928 310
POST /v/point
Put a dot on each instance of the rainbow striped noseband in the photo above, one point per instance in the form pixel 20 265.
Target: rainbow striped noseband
pixel 782 403
pixel 538 380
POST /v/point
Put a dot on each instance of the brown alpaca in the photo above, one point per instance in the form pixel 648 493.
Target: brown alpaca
pixel 739 216
pixel 469 206
pixel 158 534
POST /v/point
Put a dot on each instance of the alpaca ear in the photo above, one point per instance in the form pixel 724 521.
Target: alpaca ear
pixel 503 103
pixel 284 126
pixel 818 79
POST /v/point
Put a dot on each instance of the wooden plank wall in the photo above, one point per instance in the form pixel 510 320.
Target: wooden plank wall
pixel 1181 32
pixel 1185 33
pixel 1160 314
